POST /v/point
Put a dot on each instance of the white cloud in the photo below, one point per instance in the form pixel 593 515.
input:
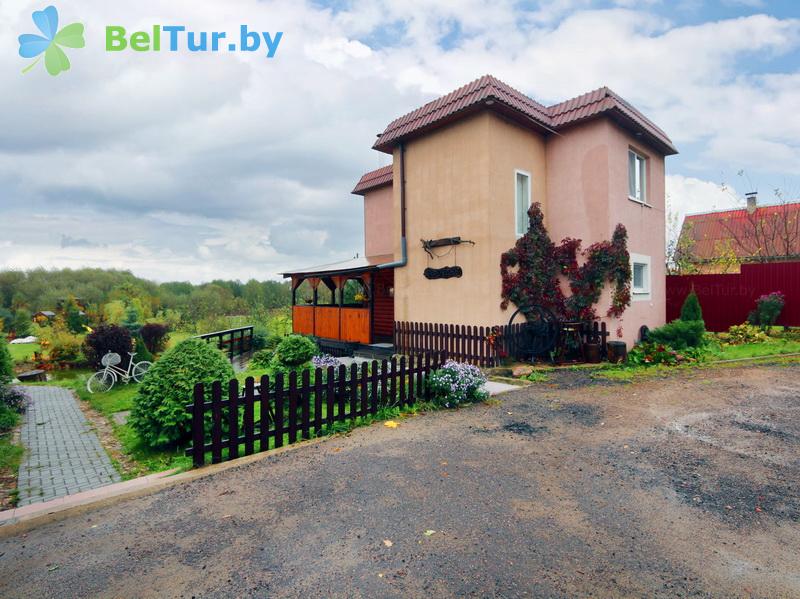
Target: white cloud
pixel 200 166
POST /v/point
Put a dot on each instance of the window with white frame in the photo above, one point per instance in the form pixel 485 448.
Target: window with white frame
pixel 637 173
pixel 640 276
pixel 522 201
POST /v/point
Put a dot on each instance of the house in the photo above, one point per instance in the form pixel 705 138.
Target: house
pixel 720 241
pixel 43 316
pixel 464 170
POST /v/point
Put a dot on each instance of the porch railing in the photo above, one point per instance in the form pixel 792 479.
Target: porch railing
pixel 234 342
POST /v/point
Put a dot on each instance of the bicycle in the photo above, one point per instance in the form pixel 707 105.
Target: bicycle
pixel 103 380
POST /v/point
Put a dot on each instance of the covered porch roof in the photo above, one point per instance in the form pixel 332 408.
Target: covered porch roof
pixel 353 266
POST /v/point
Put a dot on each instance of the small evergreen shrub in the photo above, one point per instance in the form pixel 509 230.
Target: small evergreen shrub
pixel 261 358
pixel 159 414
pixel 142 353
pixel 294 350
pixel 155 336
pixel 8 419
pixel 6 362
pixel 679 334
pixel 691 307
pixel 107 338
pixel 455 384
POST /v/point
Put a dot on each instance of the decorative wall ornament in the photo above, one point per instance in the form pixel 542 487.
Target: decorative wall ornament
pixel 446 272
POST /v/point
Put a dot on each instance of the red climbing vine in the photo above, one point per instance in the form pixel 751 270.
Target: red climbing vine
pixel 532 269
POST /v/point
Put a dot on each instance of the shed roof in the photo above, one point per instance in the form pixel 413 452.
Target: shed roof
pixel 490 92
pixel 347 266
pixel 373 179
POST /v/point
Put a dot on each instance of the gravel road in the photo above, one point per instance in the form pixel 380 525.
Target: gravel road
pixel 683 486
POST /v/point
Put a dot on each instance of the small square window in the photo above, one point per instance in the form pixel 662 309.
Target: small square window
pixel 637 177
pixel 640 276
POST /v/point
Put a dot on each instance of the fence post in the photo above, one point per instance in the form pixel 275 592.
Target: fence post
pixel 364 393
pixel 279 410
pixel 249 409
pixel 305 407
pixel 233 419
pixel 216 422
pixel 373 400
pixel 198 426
pixel 292 407
pixel 402 381
pixel 353 390
pixel 317 401
pixel 263 403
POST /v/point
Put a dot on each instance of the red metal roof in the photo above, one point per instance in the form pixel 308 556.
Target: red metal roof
pixel 487 90
pixel 373 179
pixel 768 231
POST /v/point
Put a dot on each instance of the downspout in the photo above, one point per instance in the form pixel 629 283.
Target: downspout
pixel 403 247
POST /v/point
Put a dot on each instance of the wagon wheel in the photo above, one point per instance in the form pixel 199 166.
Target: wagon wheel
pixel 539 332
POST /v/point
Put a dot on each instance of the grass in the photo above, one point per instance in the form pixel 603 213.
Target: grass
pixel 10 454
pixel 22 352
pixel 773 347
pixel 176 337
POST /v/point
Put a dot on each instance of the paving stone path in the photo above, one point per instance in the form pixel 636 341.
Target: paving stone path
pixel 63 454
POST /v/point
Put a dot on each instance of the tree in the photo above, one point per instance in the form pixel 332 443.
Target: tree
pixel 22 323
pixel 691 307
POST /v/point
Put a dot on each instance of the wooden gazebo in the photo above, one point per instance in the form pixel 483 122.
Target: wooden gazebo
pixel 367 322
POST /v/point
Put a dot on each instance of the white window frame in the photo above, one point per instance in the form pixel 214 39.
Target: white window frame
pixel 517 173
pixel 642 293
pixel 642 175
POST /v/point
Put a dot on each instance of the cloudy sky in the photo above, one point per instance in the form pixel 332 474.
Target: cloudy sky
pixel 191 166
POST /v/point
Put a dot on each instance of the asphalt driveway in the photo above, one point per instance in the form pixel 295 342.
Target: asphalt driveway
pixel 688 486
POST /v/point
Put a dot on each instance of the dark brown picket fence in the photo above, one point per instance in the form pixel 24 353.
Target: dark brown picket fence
pixel 482 346
pixel 229 422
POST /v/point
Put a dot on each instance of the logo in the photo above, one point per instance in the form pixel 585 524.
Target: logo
pixel 50 42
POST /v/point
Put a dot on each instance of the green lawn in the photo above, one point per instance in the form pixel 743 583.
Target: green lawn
pixel 176 337
pixel 773 347
pixel 22 352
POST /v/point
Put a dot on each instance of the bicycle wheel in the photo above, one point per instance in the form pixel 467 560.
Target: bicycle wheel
pixel 100 382
pixel 139 370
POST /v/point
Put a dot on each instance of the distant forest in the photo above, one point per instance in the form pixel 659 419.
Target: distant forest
pixel 106 292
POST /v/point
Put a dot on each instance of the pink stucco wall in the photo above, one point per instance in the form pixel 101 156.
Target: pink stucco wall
pixel 378 225
pixel 587 195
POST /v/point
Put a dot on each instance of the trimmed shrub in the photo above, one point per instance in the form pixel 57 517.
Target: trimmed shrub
pixel 6 362
pixel 155 336
pixel 691 307
pixel 455 384
pixel 262 358
pixel 679 334
pixel 6 319
pixel 159 413
pixel 142 353
pixel 294 350
pixel 107 338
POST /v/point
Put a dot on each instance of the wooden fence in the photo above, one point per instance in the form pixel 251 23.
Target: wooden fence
pixel 234 342
pixel 482 346
pixel 727 299
pixel 229 422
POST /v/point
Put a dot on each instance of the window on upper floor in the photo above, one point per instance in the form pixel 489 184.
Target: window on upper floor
pixel 640 275
pixel 637 173
pixel 522 201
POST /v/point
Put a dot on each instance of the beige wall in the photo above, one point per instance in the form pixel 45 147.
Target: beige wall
pixel 460 182
pixel 378 230
pixel 587 196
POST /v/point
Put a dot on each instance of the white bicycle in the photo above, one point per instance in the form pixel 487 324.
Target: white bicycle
pixel 102 380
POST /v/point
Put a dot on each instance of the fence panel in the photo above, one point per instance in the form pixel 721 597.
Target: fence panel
pixel 290 408
pixel 727 299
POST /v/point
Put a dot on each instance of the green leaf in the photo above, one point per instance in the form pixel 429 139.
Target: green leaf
pixel 55 60
pixel 71 36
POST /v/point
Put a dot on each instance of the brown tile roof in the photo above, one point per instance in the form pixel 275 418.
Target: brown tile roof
pixel 478 94
pixel 767 232
pixel 373 179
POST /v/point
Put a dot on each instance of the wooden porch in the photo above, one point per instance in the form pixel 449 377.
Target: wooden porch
pixel 364 317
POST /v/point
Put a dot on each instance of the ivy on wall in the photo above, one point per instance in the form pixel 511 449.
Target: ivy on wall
pixel 533 268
